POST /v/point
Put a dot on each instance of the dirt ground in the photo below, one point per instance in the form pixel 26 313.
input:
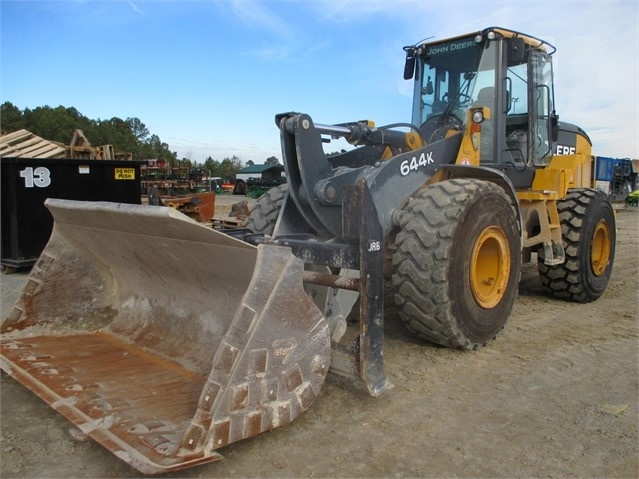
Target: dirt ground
pixel 555 395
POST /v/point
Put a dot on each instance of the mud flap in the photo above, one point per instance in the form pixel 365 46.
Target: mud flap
pixel 162 339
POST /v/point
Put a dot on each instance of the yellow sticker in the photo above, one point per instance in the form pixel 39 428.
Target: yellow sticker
pixel 125 173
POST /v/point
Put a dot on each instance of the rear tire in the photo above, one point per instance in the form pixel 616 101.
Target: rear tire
pixel 457 263
pixel 589 235
pixel 263 214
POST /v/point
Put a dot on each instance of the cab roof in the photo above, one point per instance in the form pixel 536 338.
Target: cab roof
pixel 504 32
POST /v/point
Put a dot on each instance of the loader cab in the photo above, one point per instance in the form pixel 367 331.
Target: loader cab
pixel 503 75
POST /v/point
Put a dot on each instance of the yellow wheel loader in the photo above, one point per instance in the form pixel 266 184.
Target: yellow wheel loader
pixel 165 340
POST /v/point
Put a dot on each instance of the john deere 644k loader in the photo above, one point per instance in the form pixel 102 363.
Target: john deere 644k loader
pixel 165 340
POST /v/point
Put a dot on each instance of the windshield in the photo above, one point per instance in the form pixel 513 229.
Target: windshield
pixel 452 74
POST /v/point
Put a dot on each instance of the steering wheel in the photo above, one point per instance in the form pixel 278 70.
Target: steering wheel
pixel 437 127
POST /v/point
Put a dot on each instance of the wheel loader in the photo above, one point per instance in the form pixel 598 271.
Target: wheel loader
pixel 165 340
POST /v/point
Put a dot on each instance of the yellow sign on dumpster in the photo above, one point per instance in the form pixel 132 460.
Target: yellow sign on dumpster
pixel 125 173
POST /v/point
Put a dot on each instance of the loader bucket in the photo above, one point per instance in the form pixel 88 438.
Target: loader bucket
pixel 162 339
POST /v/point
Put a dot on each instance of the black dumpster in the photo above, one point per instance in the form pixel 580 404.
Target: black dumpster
pixel 28 182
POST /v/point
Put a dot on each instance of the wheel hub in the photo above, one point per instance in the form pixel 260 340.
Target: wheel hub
pixel 490 267
pixel 600 250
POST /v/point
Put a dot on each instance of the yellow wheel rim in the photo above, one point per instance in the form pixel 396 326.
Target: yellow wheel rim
pixel 600 250
pixel 490 267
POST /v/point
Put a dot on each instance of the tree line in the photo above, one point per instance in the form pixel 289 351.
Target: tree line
pixel 58 124
pixel 130 135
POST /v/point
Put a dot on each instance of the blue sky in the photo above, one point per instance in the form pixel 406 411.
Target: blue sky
pixel 208 76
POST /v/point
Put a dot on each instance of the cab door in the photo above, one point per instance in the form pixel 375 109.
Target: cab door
pixel 541 110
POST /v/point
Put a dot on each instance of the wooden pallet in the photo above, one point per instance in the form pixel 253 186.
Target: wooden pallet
pixel 227 223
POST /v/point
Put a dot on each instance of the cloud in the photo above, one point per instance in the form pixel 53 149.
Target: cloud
pixel 343 11
pixel 135 7
pixel 316 47
pixel 254 13
pixel 269 53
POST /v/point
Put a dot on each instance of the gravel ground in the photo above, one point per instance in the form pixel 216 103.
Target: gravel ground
pixel 556 395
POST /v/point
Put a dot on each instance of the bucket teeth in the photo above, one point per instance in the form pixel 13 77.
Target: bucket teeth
pixel 272 361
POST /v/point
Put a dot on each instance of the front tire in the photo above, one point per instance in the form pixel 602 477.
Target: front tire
pixel 457 263
pixel 264 212
pixel 589 234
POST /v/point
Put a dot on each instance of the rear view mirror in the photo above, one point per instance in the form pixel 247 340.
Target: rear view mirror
pixel 409 66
